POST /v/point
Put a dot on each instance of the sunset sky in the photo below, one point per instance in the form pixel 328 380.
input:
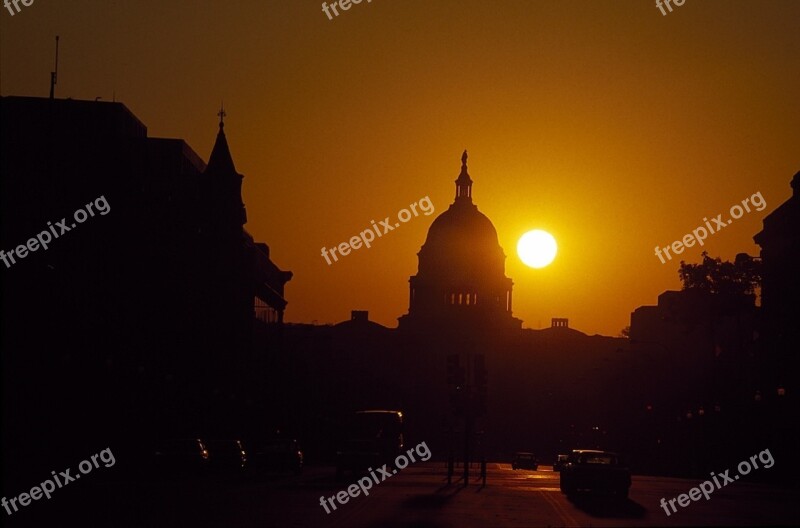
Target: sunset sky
pixel 609 125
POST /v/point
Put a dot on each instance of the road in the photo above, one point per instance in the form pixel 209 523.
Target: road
pixel 417 496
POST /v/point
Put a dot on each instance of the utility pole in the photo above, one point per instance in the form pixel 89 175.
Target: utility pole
pixel 480 378
pixel 54 75
pixel 467 434
pixel 468 398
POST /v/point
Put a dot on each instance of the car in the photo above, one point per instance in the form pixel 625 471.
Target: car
pixel 370 438
pixel 561 460
pixel 180 456
pixel 226 455
pixel 276 454
pixel 524 460
pixel 594 471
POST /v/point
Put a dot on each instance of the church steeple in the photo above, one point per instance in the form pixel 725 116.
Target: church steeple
pixel 225 184
pixel 221 162
pixel 464 182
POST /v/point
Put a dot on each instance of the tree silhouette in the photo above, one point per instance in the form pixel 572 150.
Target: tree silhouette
pixel 740 277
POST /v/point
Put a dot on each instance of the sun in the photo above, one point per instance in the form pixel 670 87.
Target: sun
pixel 537 248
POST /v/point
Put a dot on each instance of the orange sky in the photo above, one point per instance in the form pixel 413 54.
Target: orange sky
pixel 611 126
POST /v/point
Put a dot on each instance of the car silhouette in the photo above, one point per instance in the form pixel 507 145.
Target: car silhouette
pixel 561 460
pixel 593 471
pixel 524 460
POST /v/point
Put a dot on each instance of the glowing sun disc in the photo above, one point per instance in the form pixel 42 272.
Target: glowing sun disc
pixel 537 248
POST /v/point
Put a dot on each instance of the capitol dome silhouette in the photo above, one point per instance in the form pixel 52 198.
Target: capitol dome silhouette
pixel 461 275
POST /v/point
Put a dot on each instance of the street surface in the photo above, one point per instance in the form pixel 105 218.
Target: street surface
pixel 418 497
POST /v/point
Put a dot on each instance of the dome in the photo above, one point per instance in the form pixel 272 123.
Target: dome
pixel 462 221
pixel 461 281
pixel 462 242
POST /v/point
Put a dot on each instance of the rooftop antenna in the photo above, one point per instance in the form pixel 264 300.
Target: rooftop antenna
pixel 54 74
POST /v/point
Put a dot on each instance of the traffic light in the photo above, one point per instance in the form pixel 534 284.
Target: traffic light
pixel 455 373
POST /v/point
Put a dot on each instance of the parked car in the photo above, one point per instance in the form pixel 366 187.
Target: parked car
pixel 370 438
pixel 524 460
pixel 274 454
pixel 561 460
pixel 225 455
pixel 180 456
pixel 596 472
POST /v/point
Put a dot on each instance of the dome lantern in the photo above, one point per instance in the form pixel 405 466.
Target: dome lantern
pixel 464 182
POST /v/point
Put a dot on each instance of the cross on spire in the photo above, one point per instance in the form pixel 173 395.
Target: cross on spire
pixel 222 115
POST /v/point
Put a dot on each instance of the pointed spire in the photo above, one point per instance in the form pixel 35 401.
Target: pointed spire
pixel 464 182
pixel 223 183
pixel 220 162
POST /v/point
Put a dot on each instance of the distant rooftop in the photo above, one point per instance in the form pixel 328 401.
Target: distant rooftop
pixel 88 118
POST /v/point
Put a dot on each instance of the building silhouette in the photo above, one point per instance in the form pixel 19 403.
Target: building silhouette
pixel 778 371
pixel 780 291
pixel 720 370
pixel 240 281
pixel 461 281
pixel 142 315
